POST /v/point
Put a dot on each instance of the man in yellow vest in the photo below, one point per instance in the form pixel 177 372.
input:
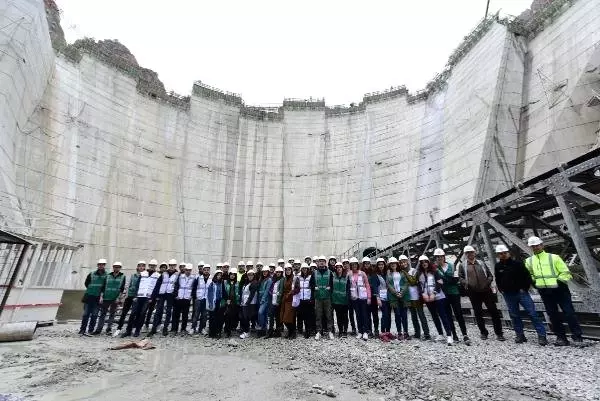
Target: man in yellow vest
pixel 550 276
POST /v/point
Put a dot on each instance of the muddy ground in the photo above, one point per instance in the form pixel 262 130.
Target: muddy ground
pixel 60 365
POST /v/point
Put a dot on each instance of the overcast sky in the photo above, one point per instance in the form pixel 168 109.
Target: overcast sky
pixel 268 50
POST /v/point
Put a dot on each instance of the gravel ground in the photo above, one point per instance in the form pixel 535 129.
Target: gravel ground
pixel 60 365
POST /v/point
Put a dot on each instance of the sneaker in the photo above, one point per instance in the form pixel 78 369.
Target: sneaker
pixel 243 335
pixel 561 342
pixel 520 339
pixel 204 332
pixel 365 336
pixel 318 336
pixel 449 340
pixel 330 335
pixel 542 340
pixel 116 333
pixel 455 338
pixel 136 334
pixel 500 337
pixel 96 333
pixel 126 334
pixel 483 336
pixel 358 336
pixel 467 340
pixel 405 336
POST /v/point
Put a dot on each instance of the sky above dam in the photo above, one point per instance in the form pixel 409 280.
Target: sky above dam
pixel 268 50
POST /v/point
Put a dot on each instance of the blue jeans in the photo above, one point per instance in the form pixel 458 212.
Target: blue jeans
pixel 386 317
pixel 162 300
pixel 91 306
pixel 560 296
pixel 513 300
pixel 360 308
pixel 263 315
pixel 401 318
pixel 200 315
pixel 439 316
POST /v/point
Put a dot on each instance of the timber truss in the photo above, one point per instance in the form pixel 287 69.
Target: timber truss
pixel 561 206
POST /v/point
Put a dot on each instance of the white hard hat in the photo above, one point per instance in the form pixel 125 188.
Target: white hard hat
pixel 233 270
pixel 322 257
pixel 219 265
pixel 206 267
pixel 304 266
pixel 403 257
pixel 189 266
pixel 501 248
pixel 163 263
pixel 288 266
pixel 182 264
pixel 307 257
pixel 226 263
pixel 201 263
pixel 297 262
pixel 241 263
pixel 290 259
pixel 280 260
pixel 439 252
pixel 313 264
pixel 259 263
pixel 173 261
pixel 249 263
pixel 423 257
pixel 272 265
pixel 266 269
pixel 251 271
pixel 218 271
pixel 153 262
pixel 532 241
pixel 353 260
pixel 141 262
pixel 345 261
pixel 392 260
pixel 279 269
pixel 332 257
pixel 315 257
pixel 101 261
pixel 380 260
pixel 468 248
pixel 339 264
pixel 366 259
pixel 118 264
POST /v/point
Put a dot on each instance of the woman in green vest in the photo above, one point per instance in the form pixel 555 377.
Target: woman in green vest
pixel 114 286
pixel 131 294
pixel 339 299
pixel 232 300
pixel 94 282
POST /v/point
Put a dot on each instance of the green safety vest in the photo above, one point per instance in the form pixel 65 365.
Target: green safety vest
pixel 339 295
pixel 547 269
pixel 113 286
pixel 133 285
pixel 321 284
pixel 95 287
pixel 236 294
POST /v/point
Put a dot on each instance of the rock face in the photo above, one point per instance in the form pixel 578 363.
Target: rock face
pixel 98 156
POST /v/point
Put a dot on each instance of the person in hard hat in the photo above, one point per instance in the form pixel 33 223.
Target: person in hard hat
pixel 151 304
pixel 296 267
pixel 183 299
pixel 331 264
pixel 340 294
pixel 225 270
pixel 433 295
pixel 292 261
pixel 131 294
pixel 215 295
pixel 276 292
pixel 476 278
pixel 346 271
pixel 360 297
pixel 365 264
pixel 306 309
pixel 272 268
pixel 94 282
pixel 551 276
pixel 450 287
pixel 380 271
pixel 290 290
pixel 375 304
pixel 281 263
pixel 308 260
pixel 396 284
pixel 165 298
pixel 514 282
pixel 200 286
pixel 323 280
pixel 415 304
pixel 114 287
pixel 232 296
pixel 249 300
pixel 241 268
pixel 146 291
pixel 264 300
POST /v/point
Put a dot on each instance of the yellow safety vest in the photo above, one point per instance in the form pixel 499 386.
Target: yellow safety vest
pixel 547 269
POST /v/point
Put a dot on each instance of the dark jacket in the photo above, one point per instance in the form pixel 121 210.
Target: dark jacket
pixel 512 276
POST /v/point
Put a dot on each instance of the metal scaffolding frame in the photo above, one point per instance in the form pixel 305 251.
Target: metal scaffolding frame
pixel 562 206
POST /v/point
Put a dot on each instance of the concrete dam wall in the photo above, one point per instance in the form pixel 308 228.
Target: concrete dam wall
pixel 90 160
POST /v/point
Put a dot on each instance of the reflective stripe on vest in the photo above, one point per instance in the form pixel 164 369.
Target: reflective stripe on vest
pixel 113 287
pixel 185 287
pixel 276 298
pixel 322 282
pixel 202 287
pixel 95 285
pixel 542 280
pixel 246 295
pixel 147 284
pixel 305 291
pixel 167 285
pixel 358 290
pixel 133 282
pixel 339 295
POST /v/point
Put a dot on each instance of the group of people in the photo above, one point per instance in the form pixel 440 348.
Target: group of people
pixel 303 297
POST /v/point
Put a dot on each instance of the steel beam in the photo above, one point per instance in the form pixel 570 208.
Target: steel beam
pixel 588 195
pixel 508 234
pixel 488 245
pixel 583 251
